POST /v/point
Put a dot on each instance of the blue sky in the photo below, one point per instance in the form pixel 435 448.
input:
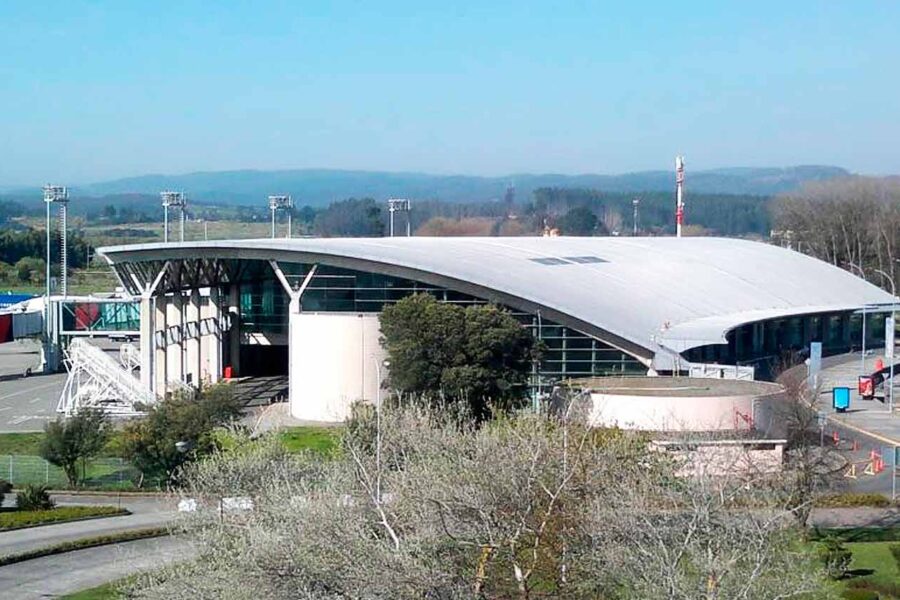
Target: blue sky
pixel 98 90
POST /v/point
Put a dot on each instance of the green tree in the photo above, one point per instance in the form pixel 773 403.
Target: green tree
pixel 30 269
pixel 70 442
pixel 479 354
pixel 580 221
pixel 150 443
pixel 351 218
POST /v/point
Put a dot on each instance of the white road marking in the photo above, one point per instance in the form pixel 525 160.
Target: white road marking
pixel 29 390
pixel 22 418
pixel 5 408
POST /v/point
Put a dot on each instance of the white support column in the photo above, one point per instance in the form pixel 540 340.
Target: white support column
pixel 293 326
pixel 148 328
pixel 175 327
pixel 161 367
pixel 234 334
pixel 192 338
pixel 212 340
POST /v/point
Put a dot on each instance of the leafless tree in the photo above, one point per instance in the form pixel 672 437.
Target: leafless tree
pixel 853 223
pixel 519 507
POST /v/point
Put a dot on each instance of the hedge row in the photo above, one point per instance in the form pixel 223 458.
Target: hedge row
pixel 850 500
pixel 29 518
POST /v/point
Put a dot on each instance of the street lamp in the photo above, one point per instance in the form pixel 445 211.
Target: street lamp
pixel 284 203
pixel 399 205
pixel 175 200
pixel 891 336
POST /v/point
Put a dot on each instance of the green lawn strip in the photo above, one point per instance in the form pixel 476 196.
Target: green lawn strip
pixel 317 439
pixel 873 568
pixel 107 591
pixel 20 443
pixel 19 519
pixel 88 542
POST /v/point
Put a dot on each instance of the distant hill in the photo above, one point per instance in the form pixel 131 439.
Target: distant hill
pixel 318 187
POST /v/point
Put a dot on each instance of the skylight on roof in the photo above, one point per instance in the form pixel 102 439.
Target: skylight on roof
pixel 585 259
pixel 568 260
pixel 549 260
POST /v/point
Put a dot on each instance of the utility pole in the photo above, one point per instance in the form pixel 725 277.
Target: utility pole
pixel 679 194
pixel 284 203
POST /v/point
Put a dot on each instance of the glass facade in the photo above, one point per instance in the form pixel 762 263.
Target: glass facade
pixel 101 316
pixel 567 352
pixel 770 345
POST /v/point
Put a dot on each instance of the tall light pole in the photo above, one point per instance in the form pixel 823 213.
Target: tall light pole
pixel 399 205
pixel 175 200
pixel 53 194
pixel 891 337
pixel 284 203
pixel 635 203
pixel 679 194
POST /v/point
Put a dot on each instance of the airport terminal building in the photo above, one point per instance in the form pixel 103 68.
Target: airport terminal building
pixel 308 309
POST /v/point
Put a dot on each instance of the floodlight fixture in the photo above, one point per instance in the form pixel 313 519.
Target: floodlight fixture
pixel 175 200
pixel 399 205
pixel 284 203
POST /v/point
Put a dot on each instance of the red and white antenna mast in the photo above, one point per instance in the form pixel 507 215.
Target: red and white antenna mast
pixel 679 194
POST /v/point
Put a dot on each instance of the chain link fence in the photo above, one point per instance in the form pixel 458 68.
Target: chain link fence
pixel 102 473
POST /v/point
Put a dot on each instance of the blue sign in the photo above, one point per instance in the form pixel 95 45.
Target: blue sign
pixel 840 398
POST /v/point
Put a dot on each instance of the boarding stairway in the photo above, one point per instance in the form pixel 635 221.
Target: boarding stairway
pixel 97 380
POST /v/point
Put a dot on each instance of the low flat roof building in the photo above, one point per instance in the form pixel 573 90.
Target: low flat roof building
pixel 601 306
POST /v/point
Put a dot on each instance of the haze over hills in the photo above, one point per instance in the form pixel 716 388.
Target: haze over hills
pixel 318 187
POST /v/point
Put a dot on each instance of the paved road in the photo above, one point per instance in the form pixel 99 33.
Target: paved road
pixel 26 403
pixel 73 571
pixel 146 512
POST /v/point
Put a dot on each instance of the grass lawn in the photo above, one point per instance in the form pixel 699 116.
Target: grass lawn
pixel 317 439
pixel 874 568
pixel 21 443
pixel 106 591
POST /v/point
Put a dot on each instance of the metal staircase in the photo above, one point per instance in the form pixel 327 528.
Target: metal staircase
pixel 97 380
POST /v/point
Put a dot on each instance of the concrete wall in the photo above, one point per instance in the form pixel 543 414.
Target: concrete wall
pixel 726 457
pixel 686 413
pixel 333 363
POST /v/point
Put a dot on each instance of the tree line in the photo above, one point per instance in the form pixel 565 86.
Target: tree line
pixel 852 223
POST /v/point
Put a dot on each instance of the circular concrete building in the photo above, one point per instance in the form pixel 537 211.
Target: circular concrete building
pixel 686 404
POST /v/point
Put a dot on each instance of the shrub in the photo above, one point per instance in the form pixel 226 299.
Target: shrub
pixel 848 500
pixel 835 556
pixel 34 497
pixel 5 488
pixel 857 594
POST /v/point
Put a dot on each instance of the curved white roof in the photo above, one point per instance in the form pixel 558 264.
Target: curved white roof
pixel 641 294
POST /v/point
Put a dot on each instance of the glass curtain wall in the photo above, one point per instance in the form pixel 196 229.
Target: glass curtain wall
pixel 567 352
